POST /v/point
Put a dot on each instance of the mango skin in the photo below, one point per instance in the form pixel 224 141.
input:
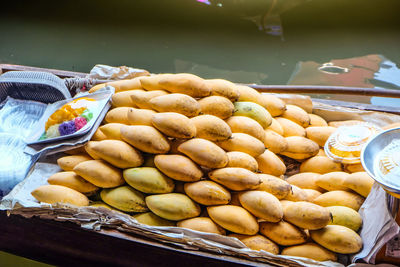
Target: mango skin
pixel 243 124
pixel 340 198
pixel 233 218
pixel 297 115
pixel 211 128
pixel 346 217
pixel 332 181
pixel 241 160
pixel 274 185
pixel 124 198
pixel 218 106
pixel 151 219
pixel 179 103
pixel 71 180
pixel 253 111
pixel 262 204
pixel 53 194
pixel 290 128
pixel 283 233
pixel 145 138
pixel 178 167
pixel 207 193
pixel 173 206
pixel 244 143
pixel 359 182
pixel 307 215
pixel 185 83
pixel 68 163
pixel 270 163
pixel 258 242
pixel 338 239
pixel 320 164
pixel 237 179
pixel 174 125
pixel 148 180
pixel 305 180
pixel 311 251
pixel 223 88
pixel 202 224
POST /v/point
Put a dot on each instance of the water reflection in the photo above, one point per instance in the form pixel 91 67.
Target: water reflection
pixel 370 71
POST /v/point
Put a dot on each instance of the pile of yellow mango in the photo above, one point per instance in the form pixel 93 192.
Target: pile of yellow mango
pixel 179 150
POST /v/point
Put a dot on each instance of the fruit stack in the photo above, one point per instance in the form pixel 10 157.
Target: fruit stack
pixel 207 155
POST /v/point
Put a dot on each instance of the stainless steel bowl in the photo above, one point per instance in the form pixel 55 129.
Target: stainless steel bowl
pixel 368 155
pixel 371 151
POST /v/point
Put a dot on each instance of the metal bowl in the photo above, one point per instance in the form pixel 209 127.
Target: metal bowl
pixel 371 151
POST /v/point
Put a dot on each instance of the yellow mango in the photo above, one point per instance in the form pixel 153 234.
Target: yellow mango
pixel 242 124
pixel 118 153
pixel 311 251
pixel 316 120
pixel 296 194
pixel 262 204
pixel 53 194
pixel 290 128
pixel 89 149
pixel 138 116
pixel 340 198
pixel 99 173
pixel 148 180
pixel 124 198
pixel 174 125
pixel 359 182
pixel 145 138
pixel 123 99
pixel 68 163
pixel 151 83
pixel 224 88
pixel 179 103
pixel 345 216
pixel 270 163
pixel 243 143
pixel 275 142
pixel 185 83
pixel 297 115
pixel 141 99
pixel 204 153
pixel 332 181
pixel 98 135
pixel 299 147
pixel 71 180
pixel 305 180
pixel 151 219
pixel 273 104
pixel 237 179
pixel 211 128
pixel 117 115
pixel 274 185
pixel 276 127
pixel 202 224
pixel 338 239
pixel 311 194
pixel 258 242
pixel 320 164
pixel 233 218
pixel 241 160
pixel 353 168
pixel 283 233
pixel 319 134
pixel 178 167
pixel 253 111
pixel 321 152
pixel 121 85
pixel 173 206
pixel 306 215
pixel 207 193
pixel 218 106
pixel 112 130
pixel 101 204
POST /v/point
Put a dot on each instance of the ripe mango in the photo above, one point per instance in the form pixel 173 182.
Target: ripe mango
pixel 173 206
pixel 274 185
pixel 207 193
pixel 242 124
pixel 148 180
pixel 270 163
pixel 112 130
pixel 299 147
pixel 296 194
pixel 274 142
pixel 297 115
pixel 332 181
pixel 68 163
pixel 307 215
pixel 117 115
pixel 320 134
pixel 233 218
pixel 262 204
pixel 340 198
pixel 276 127
pixel 53 194
pixel 145 138
pixel 178 167
pixel 243 143
pixel 141 99
pixel 71 180
pixel 338 238
pixel 223 88
pixel 151 83
pixel 258 242
pixel 174 125
pixel 273 104
pixel 345 216
pixel 202 224
pixel 253 111
pixel 311 194
pixel 359 182
pixel 185 83
pixel 311 251
pixel 290 128
pixel 123 99
pixel 211 128
pixel 316 120
pixel 218 106
pixel 151 219
pixel 237 179
pixel 305 180
pixel 283 233
pixel 241 160
pixel 124 198
pixel 138 116
pixel 320 164
pixel 179 103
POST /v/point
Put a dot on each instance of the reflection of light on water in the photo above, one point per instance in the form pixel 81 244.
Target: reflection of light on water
pixel 388 76
pixel 204 2
pixel 332 69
